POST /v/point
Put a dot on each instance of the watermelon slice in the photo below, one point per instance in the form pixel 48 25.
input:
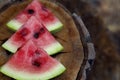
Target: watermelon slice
pixel 32 63
pixel 44 15
pixel 34 30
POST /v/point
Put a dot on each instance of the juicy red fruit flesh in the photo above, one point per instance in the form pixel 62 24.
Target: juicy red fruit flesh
pixel 20 36
pixel 25 15
pixel 34 30
pixel 44 8
pixel 40 11
pixel 38 33
pixel 46 16
pixel 32 59
pixel 35 60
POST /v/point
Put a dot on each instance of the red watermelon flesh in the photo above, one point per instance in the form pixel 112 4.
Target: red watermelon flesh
pixel 34 30
pixel 35 8
pixel 32 63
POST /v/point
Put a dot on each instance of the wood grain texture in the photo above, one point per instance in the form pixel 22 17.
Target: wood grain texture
pixel 72 55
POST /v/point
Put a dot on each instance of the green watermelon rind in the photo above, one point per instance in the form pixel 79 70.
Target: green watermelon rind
pixel 54 72
pixel 54 48
pixel 8 46
pixel 53 28
pixel 14 25
pixel 51 49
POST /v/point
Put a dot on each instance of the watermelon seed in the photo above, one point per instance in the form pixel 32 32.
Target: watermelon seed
pixel 36 35
pixel 24 32
pixel 37 53
pixel 36 63
pixel 42 30
pixel 20 36
pixel 30 11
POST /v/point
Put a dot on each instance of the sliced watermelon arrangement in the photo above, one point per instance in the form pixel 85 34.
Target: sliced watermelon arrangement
pixel 33 29
pixel 32 44
pixel 32 63
pixel 44 15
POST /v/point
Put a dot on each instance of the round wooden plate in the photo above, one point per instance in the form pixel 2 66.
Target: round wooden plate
pixel 71 57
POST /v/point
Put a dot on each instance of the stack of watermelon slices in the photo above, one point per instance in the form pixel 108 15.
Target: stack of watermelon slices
pixel 43 14
pixel 36 31
pixel 32 44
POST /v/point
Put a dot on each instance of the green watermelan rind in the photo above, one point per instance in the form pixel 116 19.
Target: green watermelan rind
pixel 53 28
pixel 21 75
pixel 51 49
pixel 54 48
pixel 14 25
pixel 8 46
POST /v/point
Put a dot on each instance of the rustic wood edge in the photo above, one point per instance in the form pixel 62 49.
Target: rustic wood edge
pixel 88 46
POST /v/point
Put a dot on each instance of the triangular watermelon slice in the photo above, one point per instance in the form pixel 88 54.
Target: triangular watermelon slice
pixel 32 63
pixel 35 8
pixel 34 30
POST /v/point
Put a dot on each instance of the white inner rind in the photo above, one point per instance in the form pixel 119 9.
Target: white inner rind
pixel 14 24
pixel 22 75
pixel 10 47
pixel 53 48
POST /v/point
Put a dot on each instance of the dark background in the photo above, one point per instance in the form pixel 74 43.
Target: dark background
pixel 101 17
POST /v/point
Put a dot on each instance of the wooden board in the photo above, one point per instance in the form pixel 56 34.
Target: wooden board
pixel 72 56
